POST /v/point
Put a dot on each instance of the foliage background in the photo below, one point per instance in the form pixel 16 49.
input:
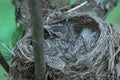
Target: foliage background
pixel 7 27
pixel 9 33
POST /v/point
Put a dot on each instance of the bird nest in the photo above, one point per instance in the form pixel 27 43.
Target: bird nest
pixel 77 46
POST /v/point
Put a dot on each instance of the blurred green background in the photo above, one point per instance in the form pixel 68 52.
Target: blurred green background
pixel 9 34
pixel 114 18
pixel 7 28
pixel 7 24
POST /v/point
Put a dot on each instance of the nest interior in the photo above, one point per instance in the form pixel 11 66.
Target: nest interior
pixel 76 46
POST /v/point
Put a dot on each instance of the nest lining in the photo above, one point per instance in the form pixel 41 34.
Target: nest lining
pixel 77 46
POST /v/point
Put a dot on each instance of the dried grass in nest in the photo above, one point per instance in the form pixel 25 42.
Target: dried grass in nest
pixel 96 61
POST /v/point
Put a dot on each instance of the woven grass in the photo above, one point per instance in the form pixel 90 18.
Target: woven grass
pixel 68 56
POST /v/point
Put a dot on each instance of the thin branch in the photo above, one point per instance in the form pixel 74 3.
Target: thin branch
pixel 37 38
pixel 77 7
pixel 4 63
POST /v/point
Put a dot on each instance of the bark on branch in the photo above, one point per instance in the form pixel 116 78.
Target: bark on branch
pixel 38 36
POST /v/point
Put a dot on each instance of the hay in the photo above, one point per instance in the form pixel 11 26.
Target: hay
pixel 77 47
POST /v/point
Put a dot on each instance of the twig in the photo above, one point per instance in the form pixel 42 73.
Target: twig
pixel 8 49
pixel 82 4
pixel 4 63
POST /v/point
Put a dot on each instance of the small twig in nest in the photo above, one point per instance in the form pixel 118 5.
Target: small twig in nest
pixel 23 53
pixel 73 9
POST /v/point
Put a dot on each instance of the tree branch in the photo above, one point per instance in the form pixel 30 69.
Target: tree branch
pixel 37 38
pixel 4 63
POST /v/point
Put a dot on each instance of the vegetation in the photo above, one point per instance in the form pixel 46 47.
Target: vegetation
pixel 9 33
